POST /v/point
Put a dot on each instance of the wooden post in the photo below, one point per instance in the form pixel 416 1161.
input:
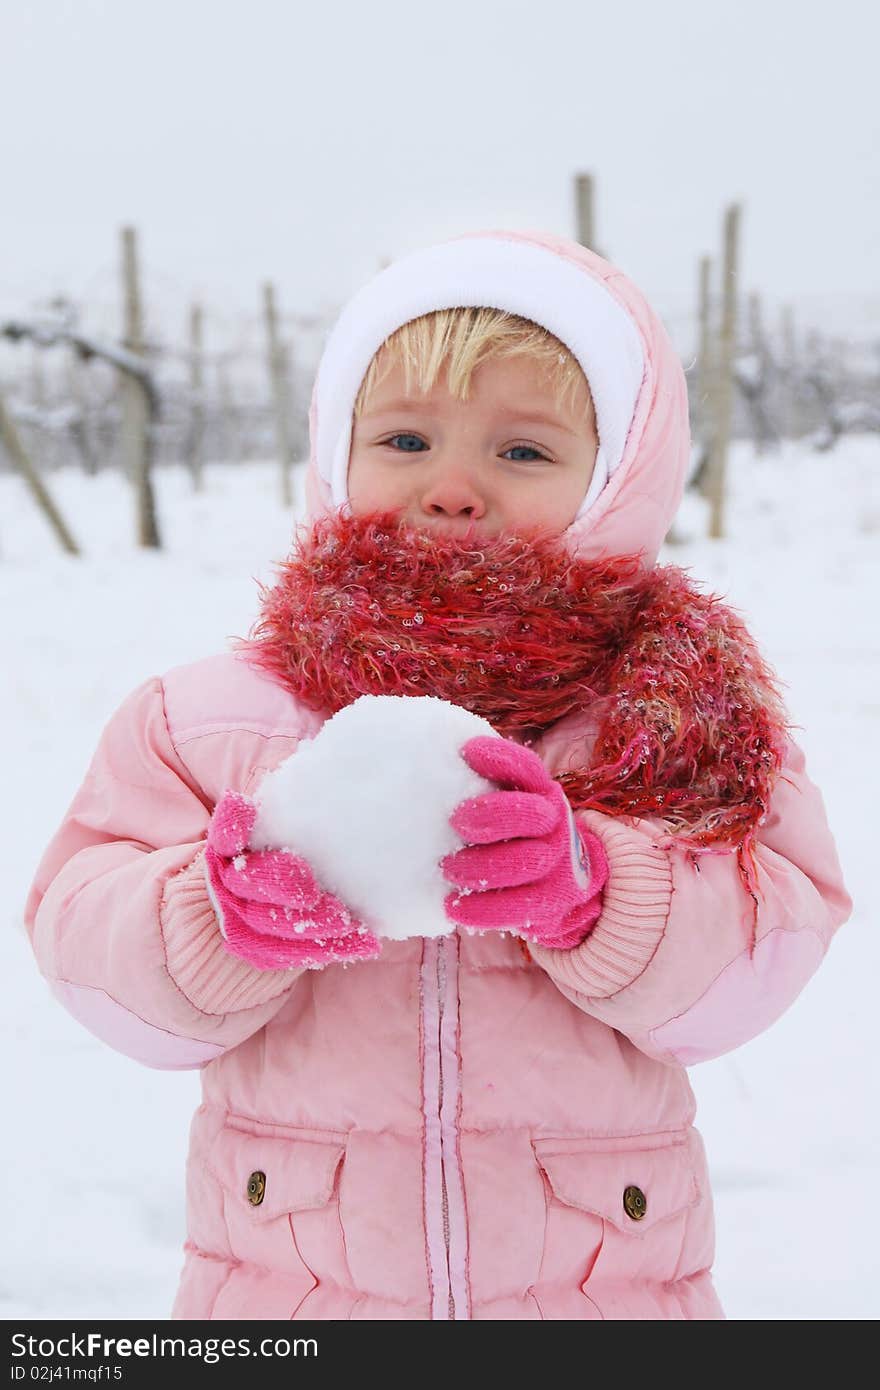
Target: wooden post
pixel 722 394
pixel 136 413
pixel 280 397
pixel 20 460
pixel 584 191
pixel 704 348
pixel 756 324
pixel 34 432
pixel 702 409
pixel 133 404
pixel 197 398
pixel 758 392
pixel 790 412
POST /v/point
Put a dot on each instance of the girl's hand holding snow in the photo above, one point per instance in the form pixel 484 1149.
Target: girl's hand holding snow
pixel 528 868
pixel 272 911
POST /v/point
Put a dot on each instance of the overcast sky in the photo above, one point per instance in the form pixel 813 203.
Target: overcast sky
pixel 268 138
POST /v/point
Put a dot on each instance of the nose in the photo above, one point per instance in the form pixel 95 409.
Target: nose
pixel 452 494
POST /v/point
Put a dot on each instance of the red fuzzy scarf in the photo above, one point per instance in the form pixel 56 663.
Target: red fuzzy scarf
pixel 691 725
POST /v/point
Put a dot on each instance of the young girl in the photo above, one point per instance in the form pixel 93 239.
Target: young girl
pixel 496 1122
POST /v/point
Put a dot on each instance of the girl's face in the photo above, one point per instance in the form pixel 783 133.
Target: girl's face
pixel 508 458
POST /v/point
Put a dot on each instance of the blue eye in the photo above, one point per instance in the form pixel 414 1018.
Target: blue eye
pixel 413 446
pixel 405 443
pixel 524 448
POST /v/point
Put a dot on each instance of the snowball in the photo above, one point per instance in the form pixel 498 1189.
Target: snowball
pixel 367 802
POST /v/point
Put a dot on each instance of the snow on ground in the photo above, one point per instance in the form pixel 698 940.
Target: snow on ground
pixel 92 1202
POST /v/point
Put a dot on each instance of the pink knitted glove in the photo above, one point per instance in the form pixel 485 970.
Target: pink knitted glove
pixel 272 911
pixel 530 869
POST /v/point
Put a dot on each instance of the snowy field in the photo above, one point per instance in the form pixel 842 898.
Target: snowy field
pixel 92 1201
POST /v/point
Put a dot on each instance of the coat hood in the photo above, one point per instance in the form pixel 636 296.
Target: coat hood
pixel 634 372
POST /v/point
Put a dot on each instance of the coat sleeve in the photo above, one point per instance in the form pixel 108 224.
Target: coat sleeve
pixel 119 916
pixel 671 962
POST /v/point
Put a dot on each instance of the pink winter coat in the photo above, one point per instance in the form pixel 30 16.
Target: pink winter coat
pixel 462 1128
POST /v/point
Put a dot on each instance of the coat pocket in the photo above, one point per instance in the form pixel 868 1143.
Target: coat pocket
pixel 620 1223
pixel 280 1199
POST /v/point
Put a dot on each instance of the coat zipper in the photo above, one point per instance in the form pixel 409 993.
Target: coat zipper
pixel 444 1190
pixel 441 993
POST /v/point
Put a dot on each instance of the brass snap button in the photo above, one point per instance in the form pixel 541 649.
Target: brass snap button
pixel 256 1188
pixel 634 1203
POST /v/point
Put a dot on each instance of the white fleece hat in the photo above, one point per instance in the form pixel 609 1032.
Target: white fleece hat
pixel 493 272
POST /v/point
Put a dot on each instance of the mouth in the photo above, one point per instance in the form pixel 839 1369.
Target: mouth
pixel 469 533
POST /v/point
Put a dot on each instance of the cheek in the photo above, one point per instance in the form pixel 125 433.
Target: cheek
pixel 553 506
pixel 371 488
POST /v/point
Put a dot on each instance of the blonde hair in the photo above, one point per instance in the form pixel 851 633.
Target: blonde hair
pixel 463 338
